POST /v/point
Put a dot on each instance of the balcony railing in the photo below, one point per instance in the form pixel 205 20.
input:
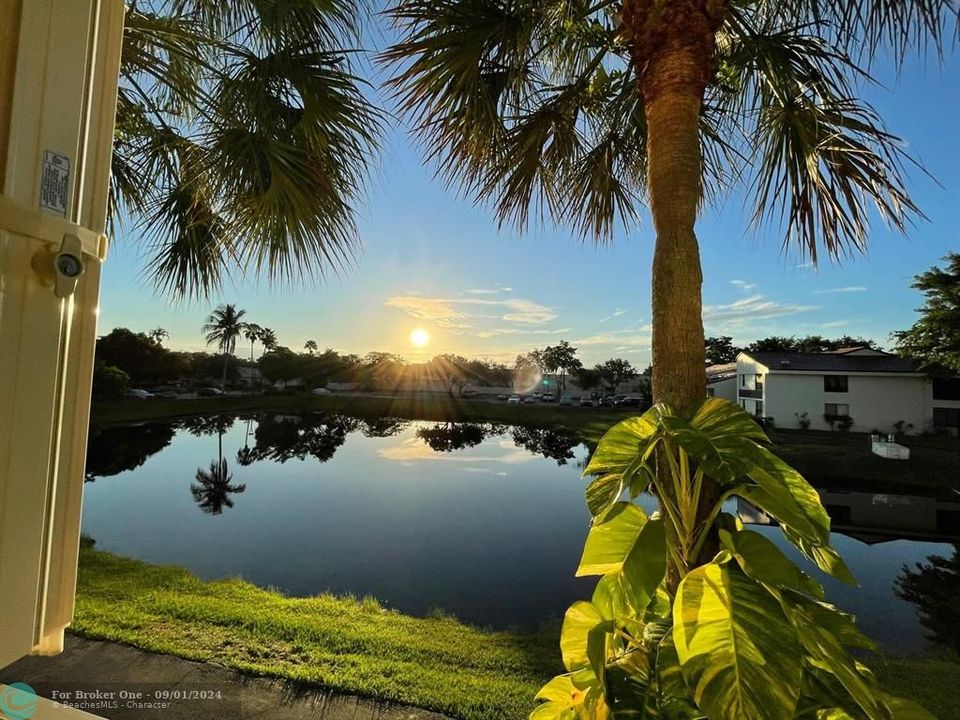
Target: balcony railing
pixel 755 393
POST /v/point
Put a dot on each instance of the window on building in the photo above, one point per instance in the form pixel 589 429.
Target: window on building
pixel 743 381
pixel 835 383
pixel 836 409
pixel 758 382
pixel 946 417
pixel 946 388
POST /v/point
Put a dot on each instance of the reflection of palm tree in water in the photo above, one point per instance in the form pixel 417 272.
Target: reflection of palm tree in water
pixel 213 487
pixel 245 455
pixel 934 587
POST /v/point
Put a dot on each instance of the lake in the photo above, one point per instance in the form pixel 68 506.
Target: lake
pixel 485 522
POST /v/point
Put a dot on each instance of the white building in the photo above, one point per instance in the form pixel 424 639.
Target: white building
pixel 874 389
pixel 722 381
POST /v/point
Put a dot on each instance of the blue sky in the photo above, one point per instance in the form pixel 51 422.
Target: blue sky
pixel 431 259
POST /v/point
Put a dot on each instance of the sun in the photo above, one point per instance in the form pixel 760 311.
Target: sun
pixel 419 337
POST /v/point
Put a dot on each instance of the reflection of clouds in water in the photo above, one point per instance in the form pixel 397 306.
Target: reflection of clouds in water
pixel 415 448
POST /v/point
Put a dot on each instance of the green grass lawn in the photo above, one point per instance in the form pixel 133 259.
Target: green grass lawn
pixel 358 647
pixel 826 458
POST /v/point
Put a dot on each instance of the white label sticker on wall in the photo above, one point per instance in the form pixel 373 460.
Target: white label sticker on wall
pixel 55 182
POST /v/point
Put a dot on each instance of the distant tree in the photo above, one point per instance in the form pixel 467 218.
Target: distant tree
pixel 222 328
pixel 455 372
pixel 381 370
pixel 450 436
pixel 587 378
pixel 561 359
pixel 252 332
pixel 137 354
pixel 720 350
pixel 109 382
pixel 809 344
pixel 615 371
pixel 268 338
pixel 934 339
pixel 310 346
pixel 158 335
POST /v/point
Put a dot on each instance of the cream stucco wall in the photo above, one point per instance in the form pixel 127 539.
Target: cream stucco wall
pixel 876 400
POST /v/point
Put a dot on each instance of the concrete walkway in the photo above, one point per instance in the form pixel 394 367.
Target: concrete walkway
pixel 120 683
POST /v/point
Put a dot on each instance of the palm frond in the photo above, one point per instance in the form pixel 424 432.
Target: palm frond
pixel 525 105
pixel 819 158
pixel 279 131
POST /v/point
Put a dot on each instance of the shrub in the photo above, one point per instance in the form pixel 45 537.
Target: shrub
pixel 109 382
pixel 803 420
pixel 746 635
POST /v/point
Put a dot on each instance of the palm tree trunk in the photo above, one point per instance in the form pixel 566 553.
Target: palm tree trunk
pixel 223 380
pixel 674 48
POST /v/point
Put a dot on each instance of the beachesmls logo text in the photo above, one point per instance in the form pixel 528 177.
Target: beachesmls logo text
pixel 18 701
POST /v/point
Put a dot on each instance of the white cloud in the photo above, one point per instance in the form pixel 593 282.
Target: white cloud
pixel 617 338
pixel 848 289
pixel 518 331
pixel 804 265
pixel 453 312
pixel 835 324
pixel 743 285
pixel 750 309
pixel 483 291
pixel 616 313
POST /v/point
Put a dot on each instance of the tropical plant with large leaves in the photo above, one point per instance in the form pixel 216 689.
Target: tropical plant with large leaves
pixel 587 111
pixel 746 636
pixel 243 137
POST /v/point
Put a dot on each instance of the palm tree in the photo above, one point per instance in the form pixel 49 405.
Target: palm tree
pixel 310 346
pixel 252 332
pixel 268 338
pixel 223 327
pixel 158 335
pixel 589 111
pixel 243 138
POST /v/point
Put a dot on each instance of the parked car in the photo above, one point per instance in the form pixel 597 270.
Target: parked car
pixel 209 392
pixel 320 391
pixel 502 397
pixel 566 400
pixel 586 402
pixel 513 400
pixel 630 402
pixel 138 394
pixel 469 392
pixel 536 395
pixel 530 400
pixel 546 397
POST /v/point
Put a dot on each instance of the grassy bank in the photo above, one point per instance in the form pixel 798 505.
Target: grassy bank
pixel 358 647
pixel 827 458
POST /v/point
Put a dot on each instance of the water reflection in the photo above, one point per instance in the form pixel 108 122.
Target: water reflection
pixel 113 450
pixel 486 521
pixel 548 443
pixel 449 436
pixel 213 487
pixel 934 587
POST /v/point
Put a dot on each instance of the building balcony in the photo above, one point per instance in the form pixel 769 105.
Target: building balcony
pixel 748 393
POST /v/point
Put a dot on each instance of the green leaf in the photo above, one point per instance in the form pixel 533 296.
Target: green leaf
pixel 609 599
pixel 718 419
pixel 763 562
pixel 782 492
pixel 583 637
pixel 623 443
pixel 631 691
pixel 644 567
pixel 739 655
pixel 824 556
pixel 903 709
pixel 610 539
pixel 820 631
pixel 571 696
pixel 603 492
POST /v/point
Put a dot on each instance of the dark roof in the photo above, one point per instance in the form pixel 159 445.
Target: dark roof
pixel 830 362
